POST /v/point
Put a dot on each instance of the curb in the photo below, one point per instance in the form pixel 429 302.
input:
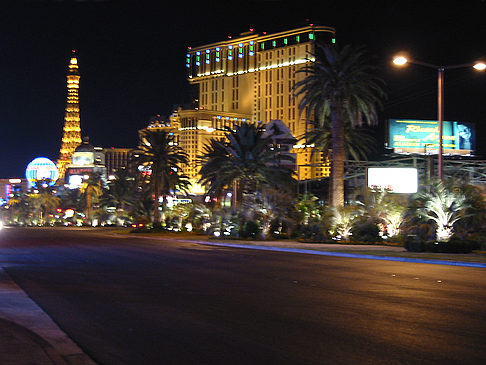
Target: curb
pixel 323 253
pixel 342 254
pixel 22 313
pixel 15 336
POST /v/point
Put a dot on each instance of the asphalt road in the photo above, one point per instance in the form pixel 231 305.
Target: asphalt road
pixel 146 301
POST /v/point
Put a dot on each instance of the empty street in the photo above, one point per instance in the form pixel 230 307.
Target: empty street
pixel 134 300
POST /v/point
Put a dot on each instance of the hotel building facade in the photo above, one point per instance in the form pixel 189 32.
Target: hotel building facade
pixel 250 78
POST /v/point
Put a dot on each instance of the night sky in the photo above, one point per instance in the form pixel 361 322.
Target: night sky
pixel 131 60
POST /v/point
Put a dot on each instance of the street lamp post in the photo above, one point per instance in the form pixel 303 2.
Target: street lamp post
pixel 440 115
pixel 479 66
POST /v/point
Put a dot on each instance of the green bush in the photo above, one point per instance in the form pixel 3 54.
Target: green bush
pixel 454 245
pixel 366 231
pixel 249 229
pixel 398 238
pixel 479 238
pixel 311 232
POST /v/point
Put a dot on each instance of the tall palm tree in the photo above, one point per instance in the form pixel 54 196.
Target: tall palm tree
pixel 359 143
pixel 143 206
pixel 165 159
pixel 244 161
pixel 44 200
pixel 71 199
pixel 339 85
pixel 91 189
pixel 120 193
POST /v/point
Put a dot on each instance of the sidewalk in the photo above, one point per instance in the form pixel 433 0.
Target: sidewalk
pixel 28 336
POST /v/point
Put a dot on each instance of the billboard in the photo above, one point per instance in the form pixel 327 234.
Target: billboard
pixel 422 136
pixel 402 180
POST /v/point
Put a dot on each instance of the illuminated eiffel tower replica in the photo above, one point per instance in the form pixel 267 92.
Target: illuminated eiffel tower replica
pixel 72 128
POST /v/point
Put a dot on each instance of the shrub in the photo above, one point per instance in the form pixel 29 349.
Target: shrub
pixel 366 231
pixel 413 243
pixel 479 238
pixel 342 220
pixel 445 205
pixel 398 239
pixel 312 232
pixel 454 245
pixel 249 229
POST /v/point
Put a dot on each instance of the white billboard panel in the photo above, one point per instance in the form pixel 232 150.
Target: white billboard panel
pixel 402 180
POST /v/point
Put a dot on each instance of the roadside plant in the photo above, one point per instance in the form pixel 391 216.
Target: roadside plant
pixel 308 206
pixel 443 205
pixel 178 214
pixel 342 221
pixel 388 210
pixel 475 214
pixel 200 217
pixel 268 207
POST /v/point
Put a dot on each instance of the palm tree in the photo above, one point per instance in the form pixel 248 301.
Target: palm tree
pixel 386 209
pixel 342 220
pixel 161 154
pixel 120 193
pixel 444 205
pixel 43 200
pixel 359 143
pixel 143 206
pixel 72 199
pixel 339 87
pixel 92 189
pixel 200 216
pixel 13 208
pixel 244 161
pixel 48 203
pixel 273 205
pixel 19 209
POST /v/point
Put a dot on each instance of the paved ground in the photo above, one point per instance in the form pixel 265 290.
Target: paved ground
pixel 29 336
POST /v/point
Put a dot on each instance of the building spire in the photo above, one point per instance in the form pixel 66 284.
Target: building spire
pixel 72 126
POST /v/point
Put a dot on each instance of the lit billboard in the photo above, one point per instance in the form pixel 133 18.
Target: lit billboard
pixel 422 136
pixel 402 180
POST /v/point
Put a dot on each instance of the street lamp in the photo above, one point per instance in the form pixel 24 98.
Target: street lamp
pixel 402 60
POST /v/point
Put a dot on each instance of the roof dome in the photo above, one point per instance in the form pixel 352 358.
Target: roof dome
pixel 85 146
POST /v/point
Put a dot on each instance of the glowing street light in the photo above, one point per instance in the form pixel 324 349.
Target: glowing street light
pixel 480 66
pixel 402 60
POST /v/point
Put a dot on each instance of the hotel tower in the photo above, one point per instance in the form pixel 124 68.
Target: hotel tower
pixel 72 129
pixel 250 78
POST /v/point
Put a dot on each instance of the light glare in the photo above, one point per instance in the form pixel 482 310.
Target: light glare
pixel 400 61
pixel 480 66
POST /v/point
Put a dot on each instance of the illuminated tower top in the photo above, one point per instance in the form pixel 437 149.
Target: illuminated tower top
pixel 72 127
